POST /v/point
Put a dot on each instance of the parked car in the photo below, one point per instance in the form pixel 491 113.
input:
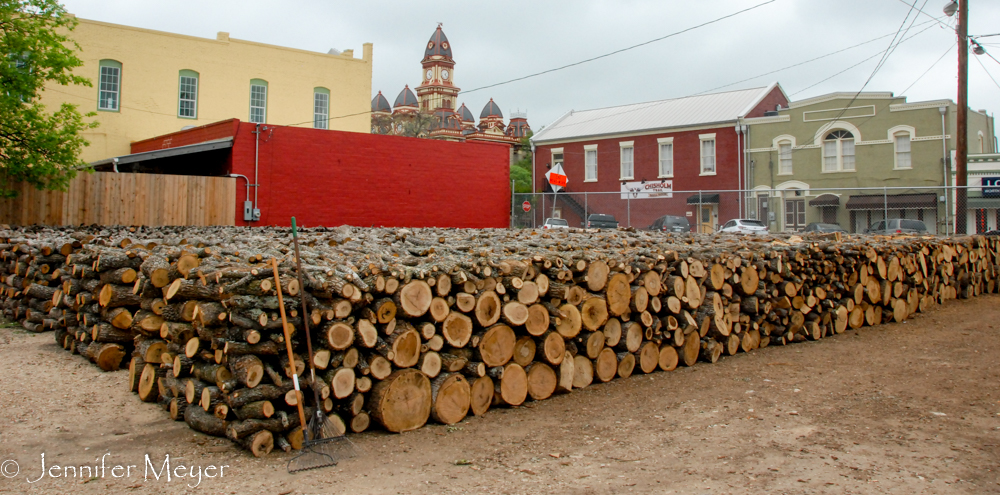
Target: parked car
pixel 992 232
pixel 670 223
pixel 744 226
pixel 898 226
pixel 555 223
pixel 823 227
pixel 599 221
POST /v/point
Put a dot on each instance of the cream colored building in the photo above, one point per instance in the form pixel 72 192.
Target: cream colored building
pixel 147 83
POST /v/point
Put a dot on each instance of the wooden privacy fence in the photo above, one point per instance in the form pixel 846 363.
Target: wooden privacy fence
pixel 108 198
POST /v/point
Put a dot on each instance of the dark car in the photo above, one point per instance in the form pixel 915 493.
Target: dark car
pixel 898 226
pixel 823 227
pixel 599 221
pixel 992 232
pixel 670 223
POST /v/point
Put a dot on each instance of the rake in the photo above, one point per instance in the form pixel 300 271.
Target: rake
pixel 324 442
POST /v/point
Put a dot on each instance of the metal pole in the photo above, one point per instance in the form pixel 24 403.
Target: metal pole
pixel 962 140
pixel 586 208
pixel 628 209
pixel 555 196
pixel 885 206
pixel 511 203
pixel 701 221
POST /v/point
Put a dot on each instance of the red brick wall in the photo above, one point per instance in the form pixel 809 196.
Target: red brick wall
pixel 334 178
pixel 768 103
pixel 640 213
pixel 331 178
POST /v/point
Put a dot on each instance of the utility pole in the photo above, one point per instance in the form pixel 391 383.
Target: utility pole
pixel 962 140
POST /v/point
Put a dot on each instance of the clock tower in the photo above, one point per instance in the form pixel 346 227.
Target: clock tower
pixel 437 89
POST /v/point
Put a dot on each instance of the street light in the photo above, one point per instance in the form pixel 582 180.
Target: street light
pixel 951 8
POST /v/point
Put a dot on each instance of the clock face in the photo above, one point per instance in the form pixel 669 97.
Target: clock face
pixel 429 74
pixel 444 74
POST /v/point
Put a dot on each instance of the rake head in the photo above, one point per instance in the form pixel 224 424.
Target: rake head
pixel 324 446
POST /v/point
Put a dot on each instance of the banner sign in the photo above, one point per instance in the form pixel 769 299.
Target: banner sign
pixel 648 189
pixel 991 187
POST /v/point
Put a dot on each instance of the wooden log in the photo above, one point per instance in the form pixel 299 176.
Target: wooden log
pixel 401 402
pixel 451 397
pixel 496 346
pixel 512 386
pixel 606 365
pixel 481 395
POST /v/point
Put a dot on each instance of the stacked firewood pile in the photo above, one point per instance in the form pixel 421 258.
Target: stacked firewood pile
pixel 432 324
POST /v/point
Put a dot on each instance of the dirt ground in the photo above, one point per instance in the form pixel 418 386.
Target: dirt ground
pixel 911 408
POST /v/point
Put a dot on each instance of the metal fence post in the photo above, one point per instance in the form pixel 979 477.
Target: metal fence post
pixel 628 208
pixel 586 208
pixel 885 206
pixel 511 204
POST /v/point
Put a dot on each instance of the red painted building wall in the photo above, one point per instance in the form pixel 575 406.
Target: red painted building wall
pixel 332 178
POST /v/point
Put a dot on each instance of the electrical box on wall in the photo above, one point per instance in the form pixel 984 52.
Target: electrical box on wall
pixel 248 211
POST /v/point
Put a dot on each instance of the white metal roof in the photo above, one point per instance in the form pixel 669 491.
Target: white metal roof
pixel 638 117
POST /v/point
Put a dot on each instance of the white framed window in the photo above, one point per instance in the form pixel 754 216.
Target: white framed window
pixel 901 141
pixel 666 168
pixel 838 151
pixel 785 158
pixel 321 108
pixel 627 153
pixel 707 154
pixel 258 101
pixel 109 85
pixel 590 163
pixel 187 95
pixel 557 156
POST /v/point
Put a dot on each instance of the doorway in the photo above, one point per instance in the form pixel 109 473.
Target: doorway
pixel 795 214
pixel 706 218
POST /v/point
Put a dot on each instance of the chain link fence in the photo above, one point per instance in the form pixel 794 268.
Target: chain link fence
pixel 934 210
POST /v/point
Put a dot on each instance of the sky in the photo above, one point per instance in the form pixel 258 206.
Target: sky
pixel 494 42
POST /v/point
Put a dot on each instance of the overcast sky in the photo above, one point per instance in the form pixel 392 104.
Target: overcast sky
pixel 497 41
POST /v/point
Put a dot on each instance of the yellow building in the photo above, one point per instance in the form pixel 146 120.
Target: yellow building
pixel 148 83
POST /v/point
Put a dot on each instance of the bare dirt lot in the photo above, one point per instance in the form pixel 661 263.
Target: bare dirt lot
pixel 907 408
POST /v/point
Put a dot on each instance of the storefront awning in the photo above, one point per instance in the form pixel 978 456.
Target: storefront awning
pixel 825 200
pixel 703 199
pixel 892 201
pixel 983 203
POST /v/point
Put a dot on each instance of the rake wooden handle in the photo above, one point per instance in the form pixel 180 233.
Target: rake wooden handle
pixel 288 344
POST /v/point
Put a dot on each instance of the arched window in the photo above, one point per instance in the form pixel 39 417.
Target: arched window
pixel 838 151
pixel 258 101
pixel 321 108
pixel 109 86
pixel 901 141
pixel 187 94
pixel 784 158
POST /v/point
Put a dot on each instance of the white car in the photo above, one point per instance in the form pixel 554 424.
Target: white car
pixel 555 223
pixel 744 226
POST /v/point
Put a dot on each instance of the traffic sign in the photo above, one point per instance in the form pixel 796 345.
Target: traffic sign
pixel 526 206
pixel 557 178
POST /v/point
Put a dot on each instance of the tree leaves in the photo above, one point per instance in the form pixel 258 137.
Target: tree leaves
pixel 37 146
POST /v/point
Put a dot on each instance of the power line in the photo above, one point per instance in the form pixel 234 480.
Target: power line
pixel 582 61
pixel 807 61
pixel 620 50
pixel 946 52
pixel 862 61
pixel 987 72
pixel 924 13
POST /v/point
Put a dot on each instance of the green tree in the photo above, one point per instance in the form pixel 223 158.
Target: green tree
pixel 520 171
pixel 36 146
